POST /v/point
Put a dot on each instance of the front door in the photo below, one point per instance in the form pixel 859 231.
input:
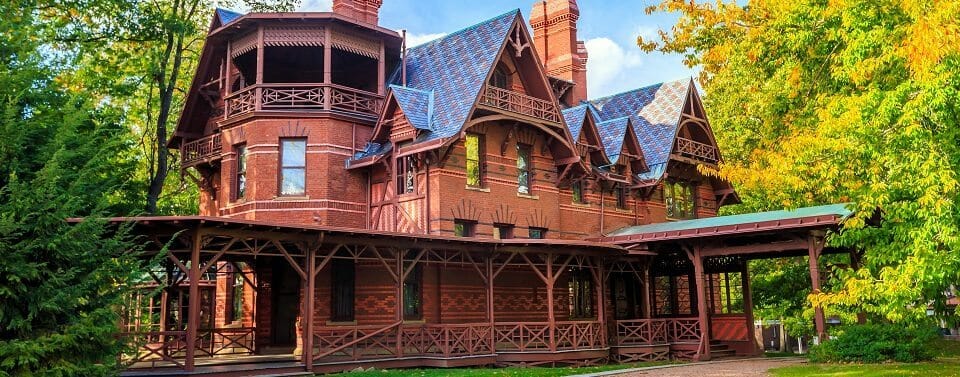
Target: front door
pixel 285 302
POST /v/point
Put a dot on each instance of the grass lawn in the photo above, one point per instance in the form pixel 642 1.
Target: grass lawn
pixel 511 372
pixel 946 364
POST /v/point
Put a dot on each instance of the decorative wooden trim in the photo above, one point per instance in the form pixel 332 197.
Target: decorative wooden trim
pixel 293 36
pixel 357 45
pixel 244 44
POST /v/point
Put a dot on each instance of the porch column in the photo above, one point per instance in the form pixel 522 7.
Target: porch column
pixel 227 78
pixel 815 247
pixel 491 318
pixel 193 316
pixel 601 303
pixel 748 306
pixel 702 308
pixel 327 68
pixel 648 286
pixel 551 320
pixel 259 90
pixel 309 308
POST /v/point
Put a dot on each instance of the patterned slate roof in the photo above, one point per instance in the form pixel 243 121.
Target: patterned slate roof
pixel 613 132
pixel 655 113
pixel 227 16
pixel 417 105
pixel 574 118
pixel 372 149
pixel 455 68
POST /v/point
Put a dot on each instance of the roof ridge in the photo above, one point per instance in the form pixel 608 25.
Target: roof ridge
pixel 634 90
pixel 515 11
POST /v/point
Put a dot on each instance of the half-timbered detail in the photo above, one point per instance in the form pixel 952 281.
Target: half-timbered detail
pixel 447 205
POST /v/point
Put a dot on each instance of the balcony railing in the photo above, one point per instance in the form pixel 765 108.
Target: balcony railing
pixel 696 150
pixel 657 331
pixel 202 150
pixel 302 97
pixel 519 103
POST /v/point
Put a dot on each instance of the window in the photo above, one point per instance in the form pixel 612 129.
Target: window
pixel 580 289
pixel 577 188
pixel 413 294
pixel 474 146
pixel 502 231
pixel 726 292
pixel 235 285
pixel 241 172
pixel 663 295
pixel 678 197
pixel 622 194
pixel 523 168
pixel 406 175
pixel 500 78
pixel 293 167
pixel 464 228
pixel 343 282
pixel 538 233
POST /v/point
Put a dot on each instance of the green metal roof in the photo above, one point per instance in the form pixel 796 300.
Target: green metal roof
pixel 839 210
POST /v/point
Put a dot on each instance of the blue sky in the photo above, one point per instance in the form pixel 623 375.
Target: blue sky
pixel 610 29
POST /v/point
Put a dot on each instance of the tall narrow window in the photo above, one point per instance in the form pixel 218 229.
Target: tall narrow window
pixel 577 188
pixel 236 294
pixel 580 290
pixel 413 294
pixel 406 175
pixel 241 189
pixel 474 146
pixel 678 198
pixel 622 194
pixel 523 168
pixel 293 167
pixel 538 233
pixel 343 281
pixel 464 228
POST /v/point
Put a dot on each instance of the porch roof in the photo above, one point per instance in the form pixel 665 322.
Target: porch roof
pixel 806 217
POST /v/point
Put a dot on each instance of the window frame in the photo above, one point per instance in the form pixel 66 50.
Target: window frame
pixel 406 175
pixel 623 197
pixel 580 288
pixel 282 167
pixel 414 281
pixel 524 172
pixel 576 189
pixel 532 229
pixel 240 172
pixel 479 160
pixel 340 280
pixel 688 203
pixel 501 229
pixel 468 228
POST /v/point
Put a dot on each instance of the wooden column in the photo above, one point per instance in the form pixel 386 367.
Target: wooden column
pixel 748 306
pixel 648 286
pixel 491 317
pixel 228 79
pixel 193 306
pixel 327 69
pixel 702 309
pixel 400 279
pixel 815 247
pixel 309 308
pixel 382 73
pixel 551 319
pixel 601 303
pixel 259 90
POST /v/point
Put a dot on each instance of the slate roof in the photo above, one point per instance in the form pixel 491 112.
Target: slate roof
pixel 654 112
pixel 454 68
pixel 613 132
pixel 417 105
pixel 227 16
pixel 574 118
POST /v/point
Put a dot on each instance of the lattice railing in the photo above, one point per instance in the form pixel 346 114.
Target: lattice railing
pixel 200 150
pixel 226 341
pixel 519 103
pixel 642 332
pixel 155 347
pixel 522 336
pixel 396 340
pixel 302 97
pixel 448 340
pixel 574 335
pixel 684 330
pixel 696 150
pixel 357 342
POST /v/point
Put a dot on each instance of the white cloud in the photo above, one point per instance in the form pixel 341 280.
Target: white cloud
pixel 414 39
pixel 316 6
pixel 610 68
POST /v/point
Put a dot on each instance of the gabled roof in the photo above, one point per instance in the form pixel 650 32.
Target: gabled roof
pixel 226 16
pixel 454 68
pixel 613 132
pixel 655 113
pixel 574 117
pixel 417 105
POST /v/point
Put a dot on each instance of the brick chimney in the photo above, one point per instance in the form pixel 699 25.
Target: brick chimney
pixel 555 37
pixel 366 11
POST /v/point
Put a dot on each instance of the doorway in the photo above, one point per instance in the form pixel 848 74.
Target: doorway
pixel 285 304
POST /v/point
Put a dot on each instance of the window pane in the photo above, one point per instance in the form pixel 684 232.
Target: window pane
pixel 292 182
pixel 473 163
pixel 473 147
pixel 294 152
pixel 459 229
pixel 242 158
pixel 523 169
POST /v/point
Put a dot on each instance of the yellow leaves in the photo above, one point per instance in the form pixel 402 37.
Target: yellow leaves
pixel 934 34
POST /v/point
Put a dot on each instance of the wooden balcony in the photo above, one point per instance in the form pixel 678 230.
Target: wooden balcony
pixel 202 150
pixel 302 97
pixel 696 150
pixel 520 104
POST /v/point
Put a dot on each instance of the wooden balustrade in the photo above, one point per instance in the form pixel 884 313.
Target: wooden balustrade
pixel 578 335
pixel 522 336
pixel 519 103
pixel 684 330
pixel 657 331
pixel 154 347
pixel 202 150
pixel 696 150
pixel 302 97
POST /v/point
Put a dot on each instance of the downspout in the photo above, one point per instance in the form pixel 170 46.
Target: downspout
pixel 427 198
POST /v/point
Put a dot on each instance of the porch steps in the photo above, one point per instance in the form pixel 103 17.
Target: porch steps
pixel 719 350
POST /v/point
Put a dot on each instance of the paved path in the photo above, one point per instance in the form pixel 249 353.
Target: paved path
pixel 723 368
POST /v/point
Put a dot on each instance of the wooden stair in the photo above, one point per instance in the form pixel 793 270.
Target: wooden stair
pixel 718 350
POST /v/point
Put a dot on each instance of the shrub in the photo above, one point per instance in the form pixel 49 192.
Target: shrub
pixel 877 343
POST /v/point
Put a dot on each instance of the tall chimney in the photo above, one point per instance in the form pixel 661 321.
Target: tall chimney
pixel 366 11
pixel 555 37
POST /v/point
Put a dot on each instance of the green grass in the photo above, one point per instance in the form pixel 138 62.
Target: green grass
pixel 947 363
pixel 510 372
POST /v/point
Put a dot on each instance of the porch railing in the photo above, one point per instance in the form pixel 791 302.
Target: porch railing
pixel 154 347
pixel 657 331
pixel 301 97
pixel 204 149
pixel 519 103
pixel 696 150
pixel 731 327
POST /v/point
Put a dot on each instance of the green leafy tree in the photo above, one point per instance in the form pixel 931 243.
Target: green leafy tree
pixel 842 101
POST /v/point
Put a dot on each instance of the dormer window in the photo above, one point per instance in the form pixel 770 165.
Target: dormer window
pixel 406 175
